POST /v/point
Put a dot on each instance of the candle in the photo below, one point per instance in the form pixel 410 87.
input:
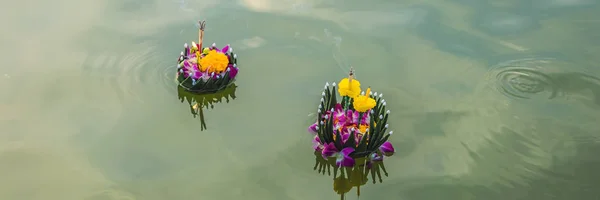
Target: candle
pixel 186 49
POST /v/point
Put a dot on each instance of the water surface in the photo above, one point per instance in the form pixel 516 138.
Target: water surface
pixel 490 99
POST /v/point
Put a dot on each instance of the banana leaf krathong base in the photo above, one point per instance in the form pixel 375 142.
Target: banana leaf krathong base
pixel 346 178
pixel 206 69
pixel 198 102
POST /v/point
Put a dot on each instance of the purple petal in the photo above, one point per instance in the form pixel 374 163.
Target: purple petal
pixel 329 150
pixel 338 108
pixel 225 49
pixel 344 159
pixel 196 74
pixel 317 139
pixel 376 157
pixel 313 128
pixel 349 114
pixel 347 161
pixel 351 117
pixel 232 71
pixel 345 136
pixel 347 151
pixel 357 137
pixel 340 118
pixel 366 119
pixel 339 114
pixel 387 149
pixel 355 117
pixel 317 146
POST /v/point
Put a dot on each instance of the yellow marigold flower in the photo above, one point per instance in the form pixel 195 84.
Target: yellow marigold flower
pixel 350 88
pixel 214 61
pixel 362 103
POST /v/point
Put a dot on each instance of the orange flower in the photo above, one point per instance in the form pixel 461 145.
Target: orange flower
pixel 214 61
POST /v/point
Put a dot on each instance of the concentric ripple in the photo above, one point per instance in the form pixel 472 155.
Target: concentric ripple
pixel 132 71
pixel 524 79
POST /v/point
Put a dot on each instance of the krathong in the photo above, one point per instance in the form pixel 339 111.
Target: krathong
pixel 206 69
pixel 351 134
pixel 198 102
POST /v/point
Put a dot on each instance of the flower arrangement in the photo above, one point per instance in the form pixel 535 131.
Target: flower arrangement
pixel 198 102
pixel 208 69
pixel 353 128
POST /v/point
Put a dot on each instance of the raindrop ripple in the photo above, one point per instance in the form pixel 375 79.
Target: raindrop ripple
pixel 524 79
pixel 133 72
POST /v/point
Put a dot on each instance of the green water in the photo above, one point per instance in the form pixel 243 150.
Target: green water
pixel 489 99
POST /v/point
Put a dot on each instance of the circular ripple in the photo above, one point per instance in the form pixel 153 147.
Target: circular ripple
pixel 132 70
pixel 524 79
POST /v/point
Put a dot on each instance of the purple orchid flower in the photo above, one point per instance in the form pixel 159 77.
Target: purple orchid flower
pixel 191 69
pixel 313 128
pixel 343 158
pixel 387 149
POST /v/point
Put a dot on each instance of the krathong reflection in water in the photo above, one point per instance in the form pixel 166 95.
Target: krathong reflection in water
pixel 198 101
pixel 351 135
pixel 346 178
pixel 206 69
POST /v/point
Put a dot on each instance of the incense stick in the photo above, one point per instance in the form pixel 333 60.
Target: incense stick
pixel 202 25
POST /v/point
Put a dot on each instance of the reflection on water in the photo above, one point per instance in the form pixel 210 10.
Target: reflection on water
pixel 88 107
pixel 198 102
pixel 347 178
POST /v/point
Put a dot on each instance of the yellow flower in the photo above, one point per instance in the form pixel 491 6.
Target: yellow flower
pixel 214 62
pixel 363 128
pixel 350 88
pixel 363 103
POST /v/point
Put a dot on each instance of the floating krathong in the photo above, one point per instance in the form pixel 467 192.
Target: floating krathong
pixel 198 102
pixel 206 69
pixel 353 132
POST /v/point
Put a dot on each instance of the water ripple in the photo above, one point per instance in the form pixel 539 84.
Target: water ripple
pixel 524 79
pixel 128 73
